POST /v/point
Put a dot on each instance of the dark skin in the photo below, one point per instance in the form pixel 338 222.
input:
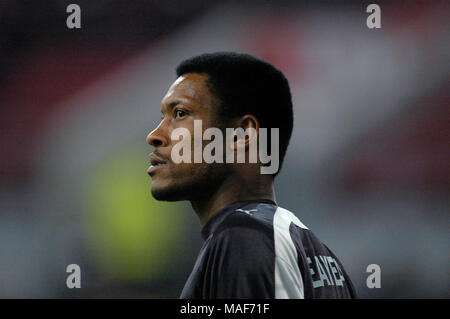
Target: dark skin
pixel 209 187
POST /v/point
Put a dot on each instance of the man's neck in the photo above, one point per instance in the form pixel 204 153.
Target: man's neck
pixel 232 190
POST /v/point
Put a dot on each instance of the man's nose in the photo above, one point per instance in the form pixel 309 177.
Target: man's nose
pixel 156 138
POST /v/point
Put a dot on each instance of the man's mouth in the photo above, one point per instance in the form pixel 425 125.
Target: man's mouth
pixel 153 168
pixel 156 163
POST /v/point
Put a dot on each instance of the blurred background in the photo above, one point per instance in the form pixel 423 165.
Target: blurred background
pixel 367 168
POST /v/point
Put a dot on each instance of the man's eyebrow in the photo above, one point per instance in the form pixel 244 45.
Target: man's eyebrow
pixel 175 103
pixel 172 104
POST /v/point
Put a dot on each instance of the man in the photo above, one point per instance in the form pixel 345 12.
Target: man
pixel 253 248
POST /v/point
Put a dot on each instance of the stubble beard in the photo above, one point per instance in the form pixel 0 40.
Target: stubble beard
pixel 197 183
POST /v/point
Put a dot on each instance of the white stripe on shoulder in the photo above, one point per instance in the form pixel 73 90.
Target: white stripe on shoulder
pixel 288 278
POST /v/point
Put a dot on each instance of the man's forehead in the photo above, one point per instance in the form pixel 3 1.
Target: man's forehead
pixel 190 86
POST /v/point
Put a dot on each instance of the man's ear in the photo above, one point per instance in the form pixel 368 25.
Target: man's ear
pixel 250 125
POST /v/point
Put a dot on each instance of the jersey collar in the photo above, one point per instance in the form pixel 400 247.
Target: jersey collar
pixel 215 220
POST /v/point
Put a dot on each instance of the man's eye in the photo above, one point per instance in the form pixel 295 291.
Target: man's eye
pixel 180 113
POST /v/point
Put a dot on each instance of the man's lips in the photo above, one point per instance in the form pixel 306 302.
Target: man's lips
pixel 156 163
pixel 153 168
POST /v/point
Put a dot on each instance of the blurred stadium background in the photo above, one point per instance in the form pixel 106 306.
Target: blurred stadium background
pixel 367 168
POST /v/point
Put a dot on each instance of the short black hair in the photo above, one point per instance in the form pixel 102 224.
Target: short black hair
pixel 247 85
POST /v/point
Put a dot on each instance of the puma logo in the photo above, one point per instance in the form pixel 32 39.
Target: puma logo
pixel 249 212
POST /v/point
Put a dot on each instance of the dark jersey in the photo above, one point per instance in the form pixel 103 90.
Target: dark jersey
pixel 255 249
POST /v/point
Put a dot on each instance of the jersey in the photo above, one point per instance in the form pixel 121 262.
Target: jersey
pixel 257 250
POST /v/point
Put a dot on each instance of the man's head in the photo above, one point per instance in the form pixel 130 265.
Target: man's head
pixel 223 90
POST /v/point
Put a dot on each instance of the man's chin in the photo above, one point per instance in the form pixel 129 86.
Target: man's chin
pixel 166 194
